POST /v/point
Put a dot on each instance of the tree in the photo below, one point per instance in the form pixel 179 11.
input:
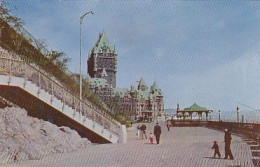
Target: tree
pixel 6 16
pixel 59 59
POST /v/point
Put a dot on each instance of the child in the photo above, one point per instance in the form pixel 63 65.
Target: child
pixel 151 138
pixel 216 148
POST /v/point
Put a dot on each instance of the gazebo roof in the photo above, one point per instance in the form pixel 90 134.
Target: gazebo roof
pixel 195 107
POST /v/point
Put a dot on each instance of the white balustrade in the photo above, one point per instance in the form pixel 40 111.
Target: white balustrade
pixel 11 65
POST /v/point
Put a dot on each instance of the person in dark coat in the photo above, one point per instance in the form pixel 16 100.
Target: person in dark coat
pixel 143 129
pixel 228 138
pixel 168 125
pixel 157 132
pixel 216 149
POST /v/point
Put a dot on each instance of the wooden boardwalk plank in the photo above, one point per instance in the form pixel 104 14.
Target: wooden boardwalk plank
pixel 181 147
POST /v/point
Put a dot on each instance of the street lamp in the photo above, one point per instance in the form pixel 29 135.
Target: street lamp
pixel 218 115
pixel 237 115
pixel 80 73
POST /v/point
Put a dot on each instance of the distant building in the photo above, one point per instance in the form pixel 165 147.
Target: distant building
pixel 134 101
pixel 102 68
pixel 101 87
pixel 145 99
pixel 102 61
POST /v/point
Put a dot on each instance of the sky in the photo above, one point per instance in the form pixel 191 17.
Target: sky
pixel 197 51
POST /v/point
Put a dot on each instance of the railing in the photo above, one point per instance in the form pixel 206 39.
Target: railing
pixel 189 122
pixel 34 42
pixel 12 65
pixel 249 130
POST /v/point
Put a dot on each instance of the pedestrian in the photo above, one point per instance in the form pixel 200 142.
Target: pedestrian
pixel 216 149
pixel 157 132
pixel 138 131
pixel 151 138
pixel 143 129
pixel 228 138
pixel 168 124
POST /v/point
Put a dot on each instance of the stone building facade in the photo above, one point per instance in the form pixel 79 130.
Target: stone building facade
pixel 102 67
pixel 133 101
pixel 146 99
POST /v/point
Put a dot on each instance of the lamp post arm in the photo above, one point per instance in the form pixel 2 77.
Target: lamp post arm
pixel 82 17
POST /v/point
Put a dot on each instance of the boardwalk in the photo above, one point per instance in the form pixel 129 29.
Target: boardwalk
pixel 180 147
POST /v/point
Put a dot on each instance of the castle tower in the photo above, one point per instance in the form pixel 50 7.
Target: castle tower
pixel 142 86
pixel 103 58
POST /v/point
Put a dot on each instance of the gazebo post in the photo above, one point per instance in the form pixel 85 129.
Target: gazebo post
pixel 190 114
pixel 200 115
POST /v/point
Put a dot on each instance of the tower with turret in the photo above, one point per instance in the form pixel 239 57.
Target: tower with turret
pixel 102 61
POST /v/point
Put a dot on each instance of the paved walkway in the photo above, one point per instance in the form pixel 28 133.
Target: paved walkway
pixel 180 147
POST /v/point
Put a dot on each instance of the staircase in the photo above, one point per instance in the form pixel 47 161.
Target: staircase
pixel 29 87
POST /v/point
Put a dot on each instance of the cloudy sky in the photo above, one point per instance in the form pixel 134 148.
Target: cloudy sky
pixel 203 52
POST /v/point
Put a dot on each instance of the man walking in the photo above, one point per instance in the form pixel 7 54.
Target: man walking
pixel 157 132
pixel 228 139
pixel 168 124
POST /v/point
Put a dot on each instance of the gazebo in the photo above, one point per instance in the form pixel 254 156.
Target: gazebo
pixel 194 109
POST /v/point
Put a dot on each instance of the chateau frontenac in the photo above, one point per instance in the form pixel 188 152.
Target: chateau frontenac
pixel 102 68
pixel 102 62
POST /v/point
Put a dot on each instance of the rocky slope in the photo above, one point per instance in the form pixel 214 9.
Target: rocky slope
pixel 23 137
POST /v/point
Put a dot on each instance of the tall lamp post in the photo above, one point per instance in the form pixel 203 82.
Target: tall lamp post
pixel 218 115
pixel 80 71
pixel 237 115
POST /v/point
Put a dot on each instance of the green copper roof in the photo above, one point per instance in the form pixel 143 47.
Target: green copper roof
pixel 144 94
pixel 141 82
pixel 155 89
pixel 121 92
pixel 98 82
pixel 103 45
pixel 154 86
pixel 195 107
